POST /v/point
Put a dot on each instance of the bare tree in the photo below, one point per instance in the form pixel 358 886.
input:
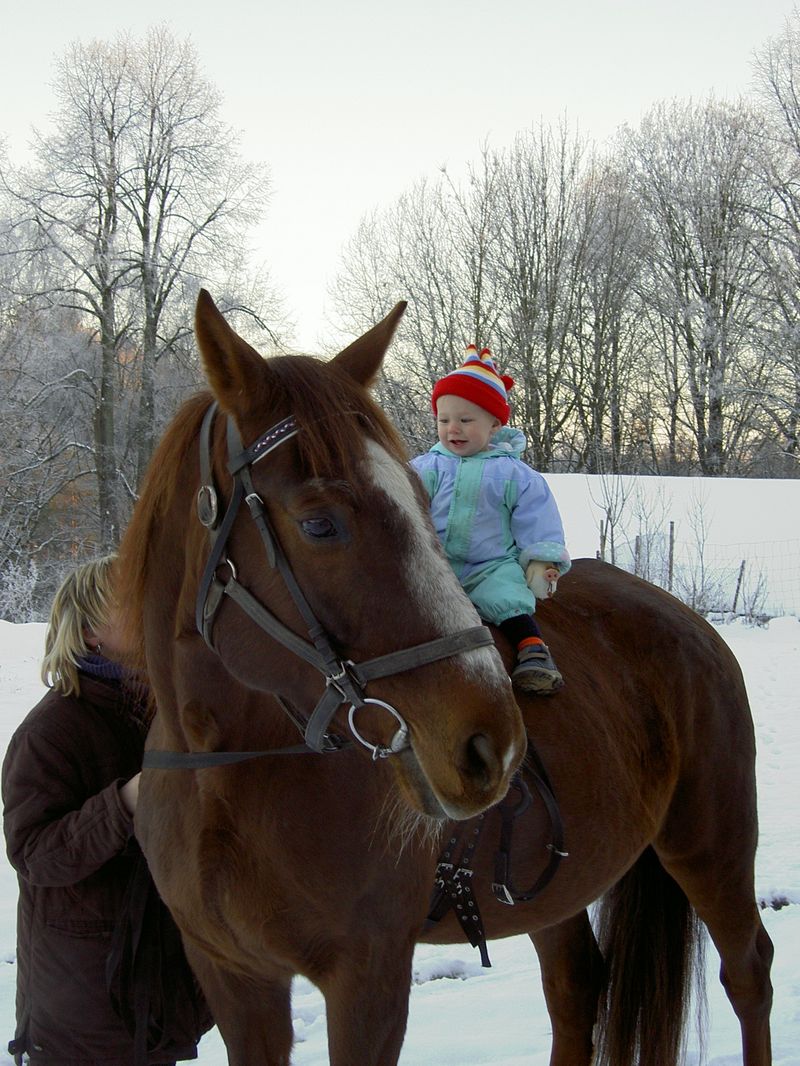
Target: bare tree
pixel 606 354
pixel 135 196
pixel 493 259
pixel 644 300
pixel 693 171
pixel 68 212
pixel 541 255
pixel 432 248
pixel 46 463
pixel 777 80
pixel 188 197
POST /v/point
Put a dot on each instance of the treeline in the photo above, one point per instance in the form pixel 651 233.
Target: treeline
pixel 644 296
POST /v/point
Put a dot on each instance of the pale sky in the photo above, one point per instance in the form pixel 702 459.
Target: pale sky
pixel 348 102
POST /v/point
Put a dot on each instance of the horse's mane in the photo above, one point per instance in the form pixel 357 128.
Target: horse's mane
pixel 334 413
pixel 167 464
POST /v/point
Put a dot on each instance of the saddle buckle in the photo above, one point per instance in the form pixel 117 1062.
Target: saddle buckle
pixel 501 894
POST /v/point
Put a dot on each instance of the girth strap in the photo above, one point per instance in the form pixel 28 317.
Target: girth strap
pixel 503 885
pixel 453 887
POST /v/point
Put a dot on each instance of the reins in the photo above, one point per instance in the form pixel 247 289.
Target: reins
pixel 345 680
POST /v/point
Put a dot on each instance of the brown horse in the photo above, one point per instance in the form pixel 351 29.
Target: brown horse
pixel 322 586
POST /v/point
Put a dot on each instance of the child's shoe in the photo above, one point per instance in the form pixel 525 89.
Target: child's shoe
pixel 535 670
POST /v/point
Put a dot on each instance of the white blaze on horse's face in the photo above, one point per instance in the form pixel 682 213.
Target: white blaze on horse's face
pixel 432 583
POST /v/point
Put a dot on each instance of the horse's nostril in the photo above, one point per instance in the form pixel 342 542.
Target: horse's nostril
pixel 480 759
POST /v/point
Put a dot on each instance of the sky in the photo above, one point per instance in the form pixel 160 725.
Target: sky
pixel 347 104
pixel 463 1015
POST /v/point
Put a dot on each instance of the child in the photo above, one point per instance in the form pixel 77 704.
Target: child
pixel 496 517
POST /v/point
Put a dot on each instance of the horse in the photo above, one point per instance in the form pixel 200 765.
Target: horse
pixel 331 714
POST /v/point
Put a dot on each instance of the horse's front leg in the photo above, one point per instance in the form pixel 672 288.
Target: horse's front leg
pixel 366 1000
pixel 253 1014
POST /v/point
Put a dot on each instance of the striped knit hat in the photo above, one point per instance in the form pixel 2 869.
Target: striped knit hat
pixel 478 381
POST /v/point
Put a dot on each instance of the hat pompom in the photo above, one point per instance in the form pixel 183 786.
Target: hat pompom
pixel 477 380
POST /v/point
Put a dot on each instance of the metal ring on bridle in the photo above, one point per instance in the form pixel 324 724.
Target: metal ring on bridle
pixel 399 740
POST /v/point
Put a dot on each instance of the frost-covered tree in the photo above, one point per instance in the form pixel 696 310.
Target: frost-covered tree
pixel 432 247
pixel 189 199
pixel 605 367
pixel 46 459
pixel 694 172
pixel 777 78
pixel 540 255
pixel 490 257
pixel 644 298
pixel 135 196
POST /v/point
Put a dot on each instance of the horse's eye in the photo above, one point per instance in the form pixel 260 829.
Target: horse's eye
pixel 318 528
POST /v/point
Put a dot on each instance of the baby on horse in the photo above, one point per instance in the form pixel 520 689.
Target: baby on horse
pixel 496 516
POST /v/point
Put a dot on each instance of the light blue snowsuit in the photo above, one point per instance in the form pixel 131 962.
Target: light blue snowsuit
pixel 494 514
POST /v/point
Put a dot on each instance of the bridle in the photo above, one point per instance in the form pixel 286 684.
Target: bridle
pixel 345 680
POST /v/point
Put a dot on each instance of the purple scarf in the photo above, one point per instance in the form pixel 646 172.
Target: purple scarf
pixel 106 669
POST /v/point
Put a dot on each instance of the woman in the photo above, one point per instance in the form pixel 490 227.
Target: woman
pixel 70 784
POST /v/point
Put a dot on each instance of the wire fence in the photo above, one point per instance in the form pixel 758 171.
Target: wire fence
pixel 755 580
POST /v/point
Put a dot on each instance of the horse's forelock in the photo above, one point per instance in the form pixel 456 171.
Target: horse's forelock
pixel 334 413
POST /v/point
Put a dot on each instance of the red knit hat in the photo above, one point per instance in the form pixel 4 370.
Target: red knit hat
pixel 478 381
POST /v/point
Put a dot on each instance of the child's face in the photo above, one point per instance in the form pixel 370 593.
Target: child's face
pixel 464 428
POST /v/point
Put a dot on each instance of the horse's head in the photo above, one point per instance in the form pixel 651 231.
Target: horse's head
pixel 327 488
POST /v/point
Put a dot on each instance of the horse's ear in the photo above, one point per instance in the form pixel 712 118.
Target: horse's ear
pixel 362 359
pixel 232 367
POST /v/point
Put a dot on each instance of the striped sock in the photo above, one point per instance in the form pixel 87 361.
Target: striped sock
pixel 529 642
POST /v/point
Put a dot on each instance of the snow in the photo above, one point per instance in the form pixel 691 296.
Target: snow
pixel 463 1015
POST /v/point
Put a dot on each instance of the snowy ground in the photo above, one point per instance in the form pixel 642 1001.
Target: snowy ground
pixel 462 1015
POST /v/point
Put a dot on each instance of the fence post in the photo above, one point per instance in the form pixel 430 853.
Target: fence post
pixel 671 562
pixel 738 586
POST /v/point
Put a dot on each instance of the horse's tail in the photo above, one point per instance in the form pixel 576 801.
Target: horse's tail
pixel 649 935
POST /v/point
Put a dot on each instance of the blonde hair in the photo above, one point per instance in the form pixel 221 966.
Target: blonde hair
pixel 84 600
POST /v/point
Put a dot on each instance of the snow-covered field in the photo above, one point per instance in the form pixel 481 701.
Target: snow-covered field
pixel 462 1015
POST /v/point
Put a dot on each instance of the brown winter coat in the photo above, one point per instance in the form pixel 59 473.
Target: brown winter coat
pixel 68 837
